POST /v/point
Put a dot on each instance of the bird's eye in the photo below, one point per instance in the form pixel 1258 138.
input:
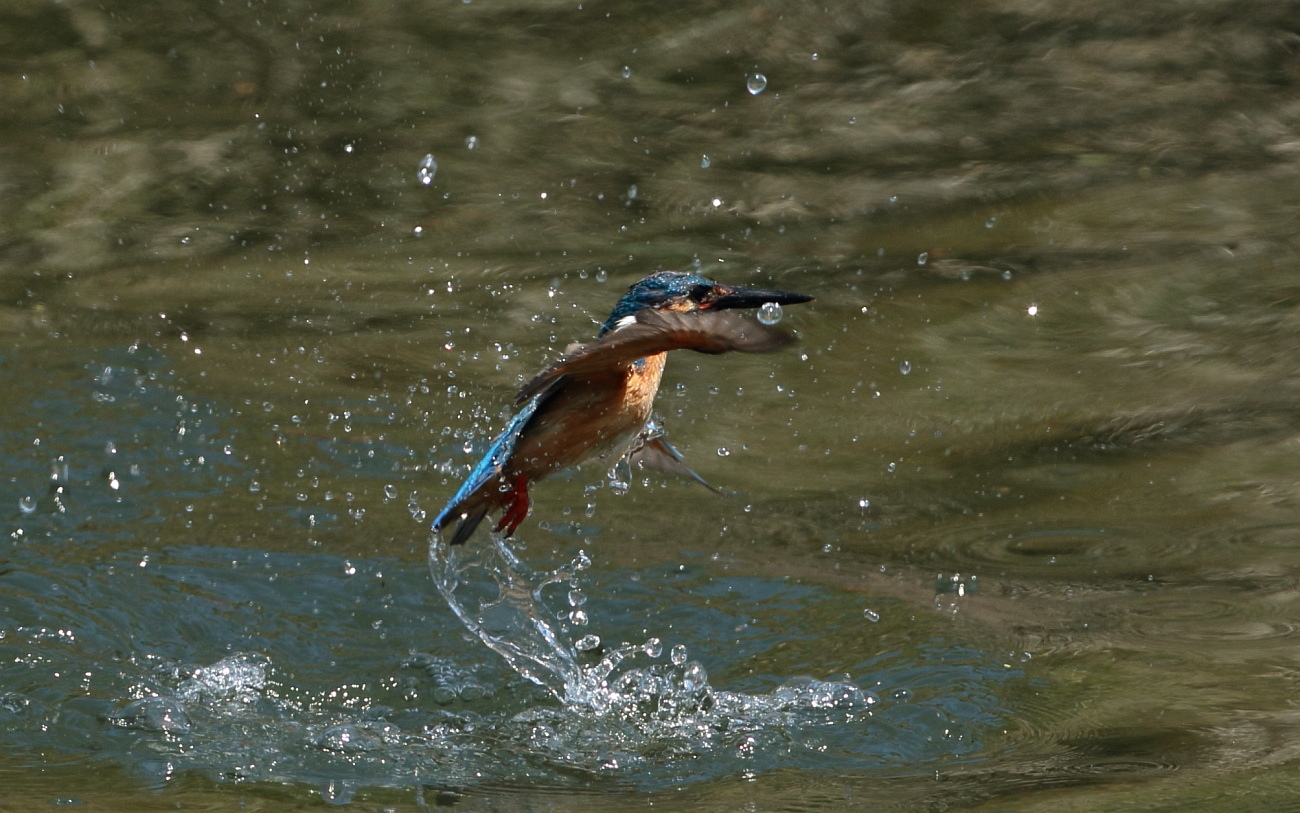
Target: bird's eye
pixel 701 292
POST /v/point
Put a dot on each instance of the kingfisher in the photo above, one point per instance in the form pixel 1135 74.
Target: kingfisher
pixel 594 403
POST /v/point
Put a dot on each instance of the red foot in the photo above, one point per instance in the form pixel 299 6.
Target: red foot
pixel 518 507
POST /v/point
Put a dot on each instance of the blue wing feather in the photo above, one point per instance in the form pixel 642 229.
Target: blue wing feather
pixel 492 464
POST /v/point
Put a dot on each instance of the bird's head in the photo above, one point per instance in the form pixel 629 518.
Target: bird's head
pixel 680 291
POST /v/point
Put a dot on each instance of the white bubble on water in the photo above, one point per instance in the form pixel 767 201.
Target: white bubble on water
pixel 770 313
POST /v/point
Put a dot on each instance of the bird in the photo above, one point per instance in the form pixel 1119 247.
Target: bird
pixel 594 402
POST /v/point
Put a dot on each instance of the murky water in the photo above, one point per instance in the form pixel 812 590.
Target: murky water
pixel 1014 525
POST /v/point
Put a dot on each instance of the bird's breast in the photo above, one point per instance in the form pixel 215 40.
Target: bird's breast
pixel 592 416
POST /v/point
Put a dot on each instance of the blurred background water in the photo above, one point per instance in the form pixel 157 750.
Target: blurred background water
pixel 1015 525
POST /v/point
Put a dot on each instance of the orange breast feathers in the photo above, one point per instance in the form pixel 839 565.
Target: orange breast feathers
pixel 586 416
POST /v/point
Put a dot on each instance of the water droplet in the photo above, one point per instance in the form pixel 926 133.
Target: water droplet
pixel 990 223
pixel 390 492
pixel 923 258
pixel 1006 274
pixel 864 503
pixel 756 84
pixel 577 598
pixel 601 275
pixel 627 72
pixel 427 169
pixel 349 569
pixel 717 202
pixel 695 678
pixel 871 615
pixel 578 618
pixel 27 504
pixel 1032 310
pixel 770 313
pixel 631 192
pixel 723 451
pixel 677 654
pixel 471 142
pixel 705 162
pixel 59 471
pixel 905 367
pixel 653 647
pixel 587 643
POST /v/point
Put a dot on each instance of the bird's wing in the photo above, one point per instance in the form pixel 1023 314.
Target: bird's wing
pixel 658 332
pixel 657 454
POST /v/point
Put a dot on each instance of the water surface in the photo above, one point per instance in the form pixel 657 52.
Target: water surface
pixel 1026 483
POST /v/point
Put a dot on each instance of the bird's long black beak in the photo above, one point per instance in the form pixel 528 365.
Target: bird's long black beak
pixel 733 297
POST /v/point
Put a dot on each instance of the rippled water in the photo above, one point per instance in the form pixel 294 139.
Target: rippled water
pixel 1013 525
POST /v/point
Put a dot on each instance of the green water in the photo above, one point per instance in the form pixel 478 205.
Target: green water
pixel 1029 477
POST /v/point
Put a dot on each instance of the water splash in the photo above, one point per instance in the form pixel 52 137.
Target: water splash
pixel 505 603
pixel 499 599
pixel 502 601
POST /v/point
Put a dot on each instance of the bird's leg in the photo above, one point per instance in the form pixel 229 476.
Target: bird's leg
pixel 518 507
